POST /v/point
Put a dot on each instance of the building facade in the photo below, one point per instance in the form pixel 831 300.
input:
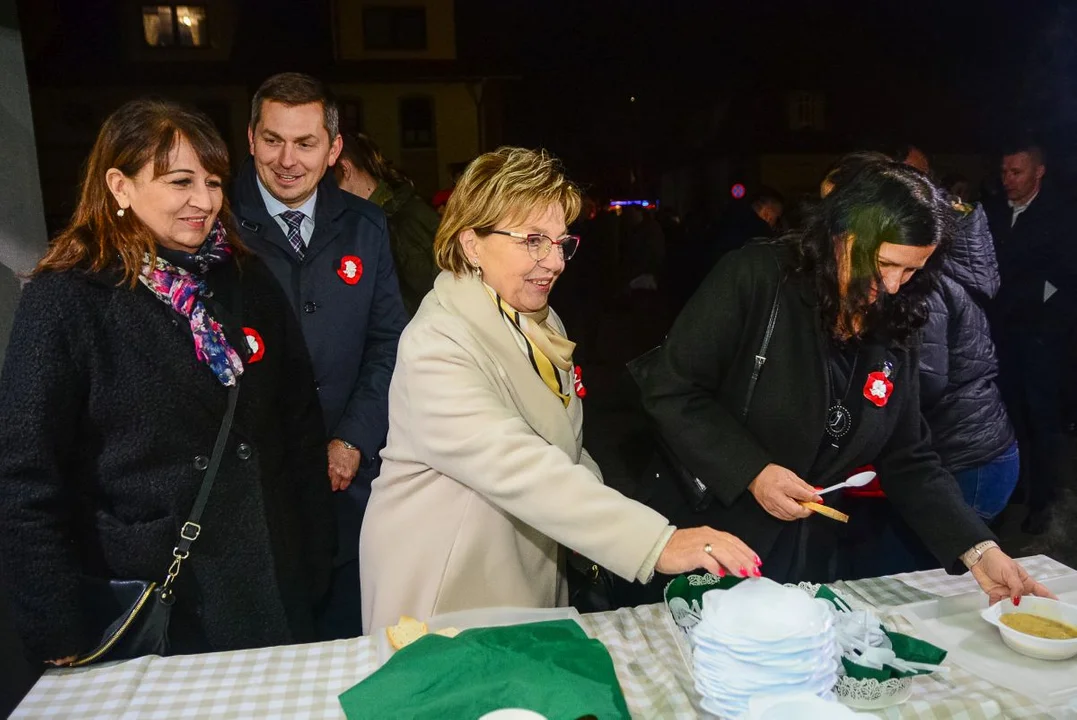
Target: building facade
pixel 392 63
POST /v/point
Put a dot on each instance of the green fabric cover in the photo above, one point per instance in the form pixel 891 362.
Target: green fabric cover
pixel 552 668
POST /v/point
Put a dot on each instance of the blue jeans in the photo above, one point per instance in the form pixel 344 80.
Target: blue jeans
pixel 881 543
pixel 987 488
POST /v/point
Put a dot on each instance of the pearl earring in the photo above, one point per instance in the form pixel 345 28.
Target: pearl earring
pixel 120 212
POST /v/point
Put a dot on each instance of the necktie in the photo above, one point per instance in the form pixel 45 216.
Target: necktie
pixel 294 219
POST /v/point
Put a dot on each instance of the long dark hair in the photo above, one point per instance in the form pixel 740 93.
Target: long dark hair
pixel 873 201
pixel 364 154
pixel 139 133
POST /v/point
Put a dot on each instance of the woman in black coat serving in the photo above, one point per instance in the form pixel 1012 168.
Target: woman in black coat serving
pixel 839 387
pixel 143 314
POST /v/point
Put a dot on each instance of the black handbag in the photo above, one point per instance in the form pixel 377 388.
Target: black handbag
pixel 590 586
pixel 695 491
pixel 130 617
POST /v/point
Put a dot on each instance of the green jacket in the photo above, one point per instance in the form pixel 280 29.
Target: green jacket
pixel 412 224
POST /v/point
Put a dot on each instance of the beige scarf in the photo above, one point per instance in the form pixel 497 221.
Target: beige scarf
pixel 548 350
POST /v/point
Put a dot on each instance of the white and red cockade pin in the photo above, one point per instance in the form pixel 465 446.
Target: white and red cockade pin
pixel 351 269
pixel 878 388
pixel 577 382
pixel 255 343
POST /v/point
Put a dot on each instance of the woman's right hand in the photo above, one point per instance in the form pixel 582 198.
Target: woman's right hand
pixel 687 551
pixel 780 492
pixel 63 661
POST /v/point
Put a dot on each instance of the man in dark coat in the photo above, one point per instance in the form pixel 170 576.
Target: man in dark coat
pixel 330 252
pixel 1033 318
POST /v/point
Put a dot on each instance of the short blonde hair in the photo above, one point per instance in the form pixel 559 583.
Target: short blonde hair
pixel 507 184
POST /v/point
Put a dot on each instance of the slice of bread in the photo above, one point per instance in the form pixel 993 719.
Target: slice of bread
pixel 404 633
pixel 449 632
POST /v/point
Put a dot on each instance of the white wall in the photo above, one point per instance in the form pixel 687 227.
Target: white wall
pixel 22 215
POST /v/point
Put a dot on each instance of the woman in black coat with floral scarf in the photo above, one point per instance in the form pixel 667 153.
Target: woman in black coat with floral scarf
pixel 142 315
pixel 839 387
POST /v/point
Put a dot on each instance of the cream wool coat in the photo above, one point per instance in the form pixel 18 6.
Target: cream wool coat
pixel 484 476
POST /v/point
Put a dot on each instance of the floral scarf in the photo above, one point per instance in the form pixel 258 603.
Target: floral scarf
pixel 183 291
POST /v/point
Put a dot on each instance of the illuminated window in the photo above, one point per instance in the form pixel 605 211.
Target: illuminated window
pixel 417 123
pixel 174 25
pixel 394 28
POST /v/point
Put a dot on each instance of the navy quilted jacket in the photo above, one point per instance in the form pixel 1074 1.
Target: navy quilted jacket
pixel 959 396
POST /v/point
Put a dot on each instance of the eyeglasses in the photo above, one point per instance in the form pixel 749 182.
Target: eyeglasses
pixel 539 246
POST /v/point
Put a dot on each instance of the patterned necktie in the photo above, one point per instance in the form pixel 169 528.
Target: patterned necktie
pixel 294 219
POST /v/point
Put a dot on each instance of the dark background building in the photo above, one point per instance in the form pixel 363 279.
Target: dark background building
pixel 394 66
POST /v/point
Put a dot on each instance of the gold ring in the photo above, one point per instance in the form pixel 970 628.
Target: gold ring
pixel 707 548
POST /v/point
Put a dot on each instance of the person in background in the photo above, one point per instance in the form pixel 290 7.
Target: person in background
pixel 329 251
pixel 485 483
pixel 441 197
pixel 362 170
pixel 912 156
pixel 579 293
pixel 959 393
pixel 959 186
pixel 137 321
pixel 839 388
pixel 1033 319
pixel 643 249
pixel 741 223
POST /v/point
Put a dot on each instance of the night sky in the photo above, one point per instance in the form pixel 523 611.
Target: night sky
pixel 955 76
pixel 960 75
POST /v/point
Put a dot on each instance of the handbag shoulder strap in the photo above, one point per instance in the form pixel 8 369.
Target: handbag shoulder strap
pixel 192 529
pixel 761 356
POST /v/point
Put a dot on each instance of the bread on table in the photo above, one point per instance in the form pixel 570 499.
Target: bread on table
pixel 408 630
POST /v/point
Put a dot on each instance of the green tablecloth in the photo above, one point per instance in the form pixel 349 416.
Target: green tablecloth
pixel 552 668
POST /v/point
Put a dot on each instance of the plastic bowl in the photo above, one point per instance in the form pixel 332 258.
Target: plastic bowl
pixel 1030 645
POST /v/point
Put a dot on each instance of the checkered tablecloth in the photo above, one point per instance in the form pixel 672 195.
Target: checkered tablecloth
pixel 303 681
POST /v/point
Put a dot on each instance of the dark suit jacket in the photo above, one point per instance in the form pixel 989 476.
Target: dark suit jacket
pixel 1038 248
pixel 696 392
pixel 351 330
pixel 106 421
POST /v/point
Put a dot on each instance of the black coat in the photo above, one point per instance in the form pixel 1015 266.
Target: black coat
pixel 1036 249
pixel 106 418
pixel 696 392
pixel 959 395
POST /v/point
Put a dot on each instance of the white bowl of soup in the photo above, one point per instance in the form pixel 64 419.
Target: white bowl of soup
pixel 1038 627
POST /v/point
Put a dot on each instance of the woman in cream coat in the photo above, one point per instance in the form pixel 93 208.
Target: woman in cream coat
pixel 484 478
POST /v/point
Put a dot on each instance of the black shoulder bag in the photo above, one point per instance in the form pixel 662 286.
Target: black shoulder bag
pixel 130 617
pixel 696 493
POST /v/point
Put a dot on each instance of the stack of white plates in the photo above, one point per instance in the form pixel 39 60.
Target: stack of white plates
pixel 762 638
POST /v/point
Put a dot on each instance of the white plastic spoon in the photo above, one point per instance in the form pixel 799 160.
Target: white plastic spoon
pixel 858 480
